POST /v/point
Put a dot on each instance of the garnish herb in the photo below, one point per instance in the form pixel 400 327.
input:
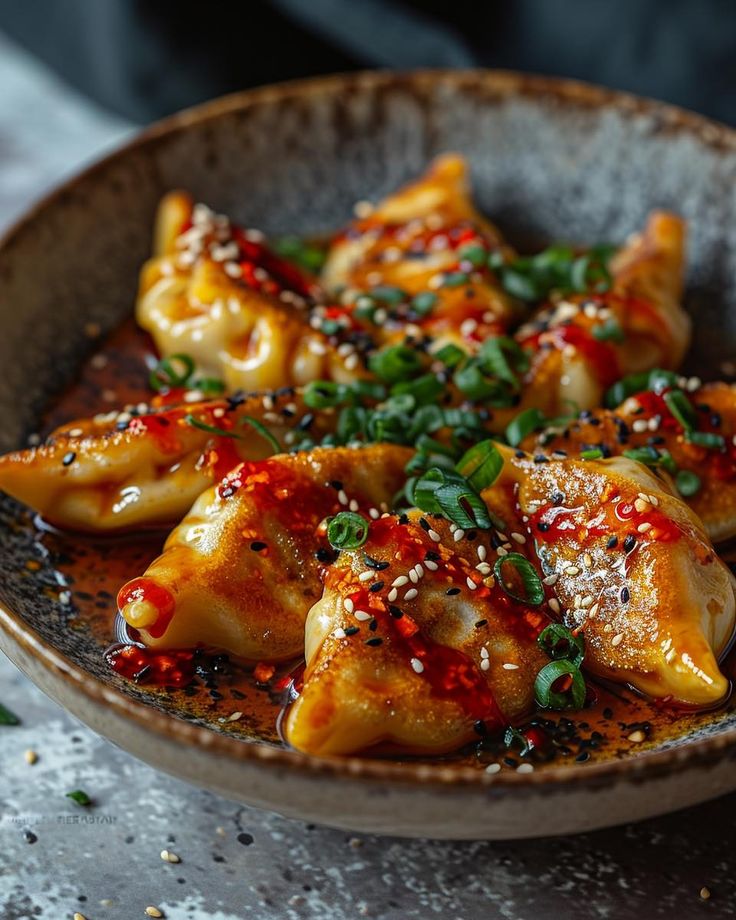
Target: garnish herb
pixel 178 371
pixel 481 465
pixel 656 380
pixel 347 530
pixel 610 331
pixel 261 429
pixel 395 363
pixel 572 697
pixel 594 453
pixel 448 493
pixel 651 456
pixel 559 642
pixel 688 483
pixel 80 797
pixel 524 572
pixel 524 424
pixel 212 429
pixel 308 256
pixel 533 278
pixel 7 717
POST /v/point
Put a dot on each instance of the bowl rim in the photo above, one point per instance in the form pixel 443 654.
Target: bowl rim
pixel 503 84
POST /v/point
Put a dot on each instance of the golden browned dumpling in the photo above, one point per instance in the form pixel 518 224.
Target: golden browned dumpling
pixel 416 265
pixel 414 646
pixel 582 344
pixel 633 570
pixel 243 568
pixel 139 469
pixel 703 466
pixel 218 294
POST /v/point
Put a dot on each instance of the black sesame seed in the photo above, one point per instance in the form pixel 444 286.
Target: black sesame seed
pixel 376 587
pixel 543 526
pixel 424 524
pixel 557 498
pixel 245 839
pixel 373 625
pixel 481 623
pixel 69 458
pixel 257 546
pixel 612 542
pixel 396 612
pixel 324 555
pixel 374 564
pixel 352 630
pixel 480 728
pixel 432 555
pixel 375 641
pixel 452 591
pixel 336 484
pixel 625 595
pixel 583 756
pixel 629 543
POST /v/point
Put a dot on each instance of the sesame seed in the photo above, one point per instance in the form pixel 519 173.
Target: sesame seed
pixel 413 576
pixel 551 579
pixel 235 716
pixel 554 604
pixel 637 736
pixel 153 912
pixel 639 425
pixel 519 537
pixel 501 551
pixel 419 569
pixel 493 768
pixel 483 568
pixel 365 576
pixel 342 497
pixel 349 605
pixel 572 570
pixel 392 595
pixel 587 560
pixel 339 633
pixel 470 583
pixel 525 768
pixel 643 528
pixel 169 857
pixel 617 639
pixel 510 667
pixel 400 581
pixel 417 665
pixel 362 615
pixel 482 553
pixel 641 504
pixel 586 601
pixel 353 505
pixel 485 664
pixel 429 564
pixel 484 652
pixel 458 535
pixel 433 535
pixel 411 594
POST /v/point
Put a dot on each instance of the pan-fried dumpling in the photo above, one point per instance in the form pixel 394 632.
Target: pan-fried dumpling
pixel 635 572
pixel 582 344
pixel 416 265
pixel 413 646
pixel 243 568
pixel 217 293
pixel 644 427
pixel 132 469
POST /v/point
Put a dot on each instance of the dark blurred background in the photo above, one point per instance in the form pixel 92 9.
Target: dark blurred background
pixel 141 59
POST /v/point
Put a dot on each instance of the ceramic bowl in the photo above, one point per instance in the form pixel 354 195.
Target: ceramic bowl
pixel 550 159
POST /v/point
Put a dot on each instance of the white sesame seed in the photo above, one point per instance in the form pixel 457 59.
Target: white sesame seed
pixel 637 736
pixel 587 560
pixel 501 536
pixel 485 664
pixel 576 601
pixel 365 576
pixel 413 576
pixel 572 570
pixel 518 537
pixel 235 716
pixel 348 605
pixel 586 601
pixel 482 553
pixel 411 594
pixel 554 604
pixel 470 583
pixel 362 615
pixel 169 857
pixel 617 639
pixel 483 568
pixel 433 535
pixel 593 612
pixel 431 565
pixel 525 768
pixel 153 912
pixel 493 768
pixel 353 504
pixel 641 505
pixel 458 535
pixel 339 633
pixel 508 666
pixel 392 595
pixel 400 581
pixel 417 665
pixel 342 497
pixel 643 528
pixel 639 425
pixel 484 652
pixel 501 551
pixel 374 513
pixel 551 579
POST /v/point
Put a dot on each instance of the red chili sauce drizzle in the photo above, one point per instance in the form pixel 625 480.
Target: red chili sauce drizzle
pixel 146 589
pixel 156 667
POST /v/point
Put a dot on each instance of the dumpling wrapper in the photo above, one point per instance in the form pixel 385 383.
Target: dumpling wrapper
pixel 116 472
pixel 645 416
pixel 398 663
pixel 656 606
pixel 242 569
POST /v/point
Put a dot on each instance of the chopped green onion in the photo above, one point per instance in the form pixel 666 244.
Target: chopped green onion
pixel 347 530
pixel 504 358
pixel 210 386
pixel 688 483
pixel 424 389
pixel 398 362
pixel 481 465
pixel 531 582
pixel 650 456
pixel 681 407
pixel 706 439
pixel 548 698
pixel 261 429
pixel 388 294
pixel 593 454
pixel 424 303
pixel 447 492
pixel 560 643
pixel 166 376
pixel 520 285
pixel 455 279
pixel 212 429
pixel 325 394
pixel 610 331
pixel 306 255
pixel 450 355
pixel 524 424
pixel 473 253
pixel 7 717
pixel 656 380
pixel 80 797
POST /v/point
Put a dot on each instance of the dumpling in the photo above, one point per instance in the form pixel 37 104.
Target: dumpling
pixel 416 264
pixel 123 470
pixel 218 294
pixel 582 344
pixel 644 427
pixel 633 570
pixel 412 646
pixel 243 568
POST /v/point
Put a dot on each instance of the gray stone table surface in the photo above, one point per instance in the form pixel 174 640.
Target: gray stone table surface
pixel 56 859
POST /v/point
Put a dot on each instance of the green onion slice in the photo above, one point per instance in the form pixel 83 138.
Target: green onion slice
pixel 166 375
pixel 424 303
pixel 681 407
pixel 561 644
pixel 593 454
pixel 447 492
pixel 398 362
pixel 688 483
pixel 7 717
pixel 261 429
pixel 549 698
pixel 706 439
pixel 80 797
pixel 533 590
pixel 524 424
pixel 211 429
pixel 347 530
pixel 481 465
pixel 450 355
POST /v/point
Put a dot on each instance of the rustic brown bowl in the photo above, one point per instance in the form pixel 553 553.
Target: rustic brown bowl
pixel 551 159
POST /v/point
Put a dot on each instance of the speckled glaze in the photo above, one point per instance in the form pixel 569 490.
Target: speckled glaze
pixel 551 160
